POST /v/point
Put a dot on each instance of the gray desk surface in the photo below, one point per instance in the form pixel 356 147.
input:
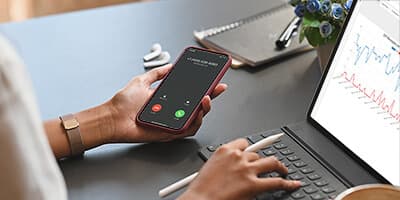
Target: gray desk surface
pixel 102 49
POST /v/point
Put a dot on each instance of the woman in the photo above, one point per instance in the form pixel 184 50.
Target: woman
pixel 29 148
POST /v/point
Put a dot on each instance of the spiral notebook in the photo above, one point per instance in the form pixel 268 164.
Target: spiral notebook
pixel 251 40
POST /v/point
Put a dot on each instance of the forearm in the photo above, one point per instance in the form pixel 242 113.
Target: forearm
pixel 95 127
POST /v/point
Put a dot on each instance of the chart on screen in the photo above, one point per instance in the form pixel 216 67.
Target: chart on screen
pixel 370 72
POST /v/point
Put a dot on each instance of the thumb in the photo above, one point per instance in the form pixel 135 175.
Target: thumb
pixel 156 74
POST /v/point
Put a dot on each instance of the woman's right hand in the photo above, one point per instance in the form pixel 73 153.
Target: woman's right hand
pixel 231 173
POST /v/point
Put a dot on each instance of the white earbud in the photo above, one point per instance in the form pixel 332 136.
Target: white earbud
pixel 155 52
pixel 161 60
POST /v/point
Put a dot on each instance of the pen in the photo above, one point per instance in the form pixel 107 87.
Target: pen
pixel 286 36
pixel 183 182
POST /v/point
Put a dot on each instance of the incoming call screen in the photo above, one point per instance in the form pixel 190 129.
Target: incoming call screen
pixel 183 88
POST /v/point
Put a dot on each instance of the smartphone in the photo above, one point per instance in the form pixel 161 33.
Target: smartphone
pixel 176 101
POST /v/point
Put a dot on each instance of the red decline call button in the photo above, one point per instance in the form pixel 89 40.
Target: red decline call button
pixel 156 107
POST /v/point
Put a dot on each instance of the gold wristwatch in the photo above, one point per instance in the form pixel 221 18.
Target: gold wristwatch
pixel 71 127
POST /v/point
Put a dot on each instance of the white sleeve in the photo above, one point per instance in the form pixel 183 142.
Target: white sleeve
pixel 28 169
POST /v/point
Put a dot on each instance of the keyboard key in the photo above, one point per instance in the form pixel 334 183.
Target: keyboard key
pixel 291 170
pixel 298 195
pixel 307 170
pixel 263 175
pixel 263 196
pixel 310 190
pixel 278 140
pixel 314 177
pixel 321 183
pixel 296 176
pixel 279 157
pixel 212 148
pixel 286 152
pixel 328 189
pixel 269 152
pixel 286 163
pixel 269 133
pixel 266 134
pixel 279 194
pixel 293 158
pixel 332 196
pixel 305 183
pixel 255 138
pixel 280 146
pixel 299 164
pixel 317 196
pixel 274 174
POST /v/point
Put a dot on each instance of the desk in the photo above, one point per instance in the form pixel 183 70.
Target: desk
pixel 102 49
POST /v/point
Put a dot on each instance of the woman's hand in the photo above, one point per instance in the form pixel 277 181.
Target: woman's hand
pixel 115 120
pixel 232 173
pixel 125 105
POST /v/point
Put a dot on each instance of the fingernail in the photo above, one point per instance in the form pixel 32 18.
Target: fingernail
pixel 297 183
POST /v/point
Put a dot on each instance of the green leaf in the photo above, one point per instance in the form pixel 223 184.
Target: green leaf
pixel 302 35
pixel 334 35
pixel 313 36
pixel 310 21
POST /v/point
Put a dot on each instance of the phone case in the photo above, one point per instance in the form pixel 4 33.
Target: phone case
pixel 197 109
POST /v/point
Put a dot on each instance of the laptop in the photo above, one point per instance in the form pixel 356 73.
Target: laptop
pixel 354 117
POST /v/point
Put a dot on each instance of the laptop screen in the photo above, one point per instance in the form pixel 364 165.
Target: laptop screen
pixel 358 101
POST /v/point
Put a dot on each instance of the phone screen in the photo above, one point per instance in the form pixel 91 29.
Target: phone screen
pixel 184 87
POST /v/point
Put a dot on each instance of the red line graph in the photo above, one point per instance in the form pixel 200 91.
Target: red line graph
pixel 377 96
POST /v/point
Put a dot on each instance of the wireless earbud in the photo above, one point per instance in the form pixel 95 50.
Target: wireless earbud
pixel 155 52
pixel 161 60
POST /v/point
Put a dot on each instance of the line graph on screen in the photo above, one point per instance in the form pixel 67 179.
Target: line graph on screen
pixel 371 74
pixel 366 54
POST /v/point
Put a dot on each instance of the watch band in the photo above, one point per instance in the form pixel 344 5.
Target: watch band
pixel 71 126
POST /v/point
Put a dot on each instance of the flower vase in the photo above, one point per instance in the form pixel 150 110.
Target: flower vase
pixel 324 51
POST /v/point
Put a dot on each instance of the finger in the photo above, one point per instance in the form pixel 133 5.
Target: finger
pixel 270 184
pixel 251 156
pixel 156 74
pixel 240 143
pixel 220 88
pixel 199 119
pixel 195 126
pixel 269 164
pixel 206 104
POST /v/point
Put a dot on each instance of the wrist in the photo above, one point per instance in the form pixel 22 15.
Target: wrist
pixel 96 126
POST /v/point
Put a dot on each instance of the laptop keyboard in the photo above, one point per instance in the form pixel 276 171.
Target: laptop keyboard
pixel 317 182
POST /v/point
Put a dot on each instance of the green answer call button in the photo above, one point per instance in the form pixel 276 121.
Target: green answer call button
pixel 179 113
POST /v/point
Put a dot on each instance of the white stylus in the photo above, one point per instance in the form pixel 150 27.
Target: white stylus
pixel 183 182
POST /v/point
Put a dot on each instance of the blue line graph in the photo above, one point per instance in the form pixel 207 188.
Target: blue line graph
pixel 371 55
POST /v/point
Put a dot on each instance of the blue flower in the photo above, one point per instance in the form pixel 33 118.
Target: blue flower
pixel 337 11
pixel 326 6
pixel 325 29
pixel 299 10
pixel 313 6
pixel 347 5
